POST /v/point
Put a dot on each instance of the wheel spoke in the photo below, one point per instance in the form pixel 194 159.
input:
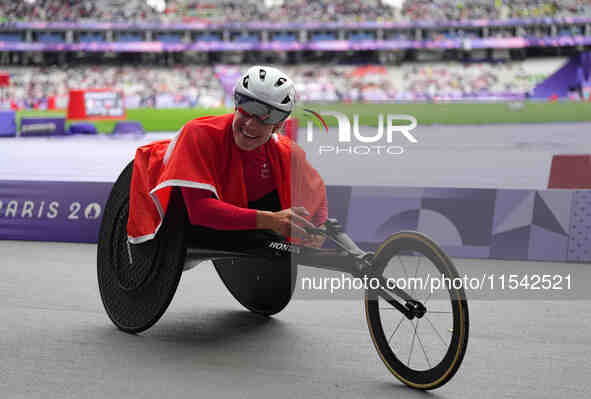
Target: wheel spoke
pixel 396 329
pixel 428 297
pixel 436 331
pixel 423 347
pixel 416 273
pixel 412 344
pixel 403 267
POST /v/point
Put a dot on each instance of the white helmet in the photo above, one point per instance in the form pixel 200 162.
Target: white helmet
pixel 268 85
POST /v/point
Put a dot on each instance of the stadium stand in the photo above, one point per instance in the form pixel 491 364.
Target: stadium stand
pixel 199 85
pixel 142 86
pixel 326 68
pixel 10 37
pixel 411 82
pixel 289 11
pixel 48 10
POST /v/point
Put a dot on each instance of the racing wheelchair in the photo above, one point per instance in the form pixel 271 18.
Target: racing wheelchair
pixel 138 281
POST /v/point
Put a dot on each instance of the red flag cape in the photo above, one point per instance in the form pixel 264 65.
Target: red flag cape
pixel 203 155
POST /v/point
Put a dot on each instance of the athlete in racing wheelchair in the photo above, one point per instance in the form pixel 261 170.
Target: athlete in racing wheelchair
pixel 232 190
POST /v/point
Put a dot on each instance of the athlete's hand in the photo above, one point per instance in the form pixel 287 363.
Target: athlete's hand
pixel 288 222
pixel 315 240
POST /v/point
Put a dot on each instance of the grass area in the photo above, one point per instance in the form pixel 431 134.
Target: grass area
pixel 427 114
pixel 465 114
pixel 153 120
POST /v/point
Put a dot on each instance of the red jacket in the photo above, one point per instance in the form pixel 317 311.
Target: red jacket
pixel 203 155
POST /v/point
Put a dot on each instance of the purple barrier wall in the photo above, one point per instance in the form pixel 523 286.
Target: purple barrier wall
pixel 7 123
pixel 550 225
pixel 567 76
pixel 51 211
pixel 82 128
pixel 128 127
pixel 43 126
pixel 478 223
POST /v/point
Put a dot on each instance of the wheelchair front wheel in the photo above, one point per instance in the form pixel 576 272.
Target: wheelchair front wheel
pixel 426 352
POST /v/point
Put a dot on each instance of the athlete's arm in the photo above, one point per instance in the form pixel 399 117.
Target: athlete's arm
pixel 204 210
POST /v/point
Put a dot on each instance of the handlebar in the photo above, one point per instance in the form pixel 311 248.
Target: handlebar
pixel 315 231
pixel 334 233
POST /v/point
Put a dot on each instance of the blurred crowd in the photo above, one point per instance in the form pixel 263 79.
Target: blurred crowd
pixel 455 10
pixel 422 82
pixel 142 86
pixel 184 86
pixel 281 11
pixel 48 10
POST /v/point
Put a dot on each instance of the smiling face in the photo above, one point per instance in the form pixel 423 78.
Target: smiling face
pixel 250 132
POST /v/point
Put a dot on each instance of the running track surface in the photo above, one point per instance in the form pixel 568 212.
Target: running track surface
pixel 56 340
pixel 490 156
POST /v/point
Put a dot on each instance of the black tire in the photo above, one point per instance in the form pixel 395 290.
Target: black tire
pixel 453 341
pixel 136 294
pixel 263 286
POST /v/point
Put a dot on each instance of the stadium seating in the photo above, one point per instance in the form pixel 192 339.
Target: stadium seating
pixel 51 38
pixel 10 37
pixel 245 39
pixel 442 81
pixel 208 37
pixel 454 80
pixel 170 38
pixel 292 11
pixel 361 36
pixel 91 38
pixel 129 37
pixel 188 86
pixel 284 37
pixel 318 37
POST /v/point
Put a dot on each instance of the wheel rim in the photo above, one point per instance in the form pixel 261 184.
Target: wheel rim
pixel 421 344
pixel 432 373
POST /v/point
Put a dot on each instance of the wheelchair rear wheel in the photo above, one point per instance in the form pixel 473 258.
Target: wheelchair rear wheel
pixel 138 281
